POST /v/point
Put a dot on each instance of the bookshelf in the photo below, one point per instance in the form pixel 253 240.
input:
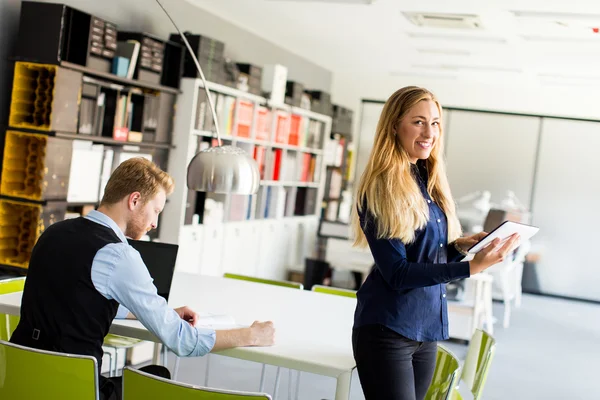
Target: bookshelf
pixel 339 168
pixel 272 230
pixel 54 163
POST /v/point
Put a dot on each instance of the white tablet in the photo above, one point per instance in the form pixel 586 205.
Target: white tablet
pixel 504 231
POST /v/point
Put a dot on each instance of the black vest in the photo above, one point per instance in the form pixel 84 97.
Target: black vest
pixel 61 309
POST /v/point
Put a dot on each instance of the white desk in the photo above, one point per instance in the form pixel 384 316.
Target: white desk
pixel 313 330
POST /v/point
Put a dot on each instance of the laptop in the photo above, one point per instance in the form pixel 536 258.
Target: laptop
pixel 160 260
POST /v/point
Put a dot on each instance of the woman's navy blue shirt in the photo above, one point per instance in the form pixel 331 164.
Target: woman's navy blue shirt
pixel 406 290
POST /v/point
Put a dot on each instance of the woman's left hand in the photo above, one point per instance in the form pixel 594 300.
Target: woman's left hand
pixel 467 242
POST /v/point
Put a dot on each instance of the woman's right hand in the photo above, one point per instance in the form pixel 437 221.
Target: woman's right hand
pixel 493 254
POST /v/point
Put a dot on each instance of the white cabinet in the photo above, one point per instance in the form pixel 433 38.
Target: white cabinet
pixel 271 252
pixel 210 261
pixel 262 248
pixel 240 248
pixel 190 249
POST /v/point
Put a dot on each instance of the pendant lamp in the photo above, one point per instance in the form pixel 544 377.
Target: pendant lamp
pixel 221 169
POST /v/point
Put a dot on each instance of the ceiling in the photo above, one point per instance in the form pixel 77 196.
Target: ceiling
pixel 534 42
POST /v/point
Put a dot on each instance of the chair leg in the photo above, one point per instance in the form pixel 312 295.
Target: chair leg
pixel 165 352
pixel 263 374
pixel 298 385
pixel 291 378
pixel 207 370
pixel 116 361
pixel 276 383
pixel 110 364
pixel 176 368
pixel 506 289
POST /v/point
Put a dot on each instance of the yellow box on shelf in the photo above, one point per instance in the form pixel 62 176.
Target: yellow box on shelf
pixel 45 97
pixel 20 226
pixel 35 166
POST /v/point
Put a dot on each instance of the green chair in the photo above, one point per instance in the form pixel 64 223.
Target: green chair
pixel 8 323
pixel 138 385
pixel 480 354
pixel 27 373
pixel 334 290
pixel 445 376
pixel 116 343
pixel 293 285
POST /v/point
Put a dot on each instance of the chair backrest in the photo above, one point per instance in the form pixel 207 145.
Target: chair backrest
pixel 293 285
pixel 335 291
pixel 27 373
pixel 12 285
pixel 445 375
pixel 8 323
pixel 138 385
pixel 477 364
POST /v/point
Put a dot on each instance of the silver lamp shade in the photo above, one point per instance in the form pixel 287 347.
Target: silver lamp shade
pixel 225 169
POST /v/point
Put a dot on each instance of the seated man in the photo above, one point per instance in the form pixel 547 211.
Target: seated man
pixel 83 274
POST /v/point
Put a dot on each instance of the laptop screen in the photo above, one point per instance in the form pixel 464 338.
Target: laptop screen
pixel 160 260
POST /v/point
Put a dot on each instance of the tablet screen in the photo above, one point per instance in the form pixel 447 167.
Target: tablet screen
pixel 504 231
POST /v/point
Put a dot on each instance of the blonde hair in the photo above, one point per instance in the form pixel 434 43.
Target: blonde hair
pixel 391 193
pixel 136 175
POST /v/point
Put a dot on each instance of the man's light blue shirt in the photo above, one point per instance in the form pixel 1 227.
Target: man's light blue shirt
pixel 119 273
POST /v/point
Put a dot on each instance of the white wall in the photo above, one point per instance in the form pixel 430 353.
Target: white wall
pixel 574 101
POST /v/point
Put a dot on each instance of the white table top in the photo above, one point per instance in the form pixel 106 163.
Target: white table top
pixel 313 330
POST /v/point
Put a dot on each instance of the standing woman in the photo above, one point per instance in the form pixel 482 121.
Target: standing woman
pixel 406 214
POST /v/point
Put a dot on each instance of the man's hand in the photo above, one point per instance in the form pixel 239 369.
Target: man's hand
pixel 186 314
pixel 262 334
pixel 465 243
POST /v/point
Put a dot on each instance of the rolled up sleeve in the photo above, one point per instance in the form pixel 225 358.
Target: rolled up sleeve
pixel 130 284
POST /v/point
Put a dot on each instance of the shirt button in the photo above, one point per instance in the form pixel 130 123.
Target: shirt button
pixel 441 244
pixel 444 295
pixel 439 220
pixel 429 201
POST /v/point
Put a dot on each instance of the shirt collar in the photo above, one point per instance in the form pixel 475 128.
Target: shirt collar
pixel 103 219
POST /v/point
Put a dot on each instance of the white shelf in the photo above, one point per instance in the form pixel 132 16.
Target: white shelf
pixel 258 142
pixel 290 183
pixel 232 92
pixel 301 111
pixel 297 148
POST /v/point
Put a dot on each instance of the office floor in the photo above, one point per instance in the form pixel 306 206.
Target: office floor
pixel 550 351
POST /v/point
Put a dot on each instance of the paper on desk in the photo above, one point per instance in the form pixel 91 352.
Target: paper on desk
pixel 216 321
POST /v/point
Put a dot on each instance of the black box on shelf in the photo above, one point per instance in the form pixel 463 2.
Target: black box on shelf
pixel 208 51
pixel 293 93
pixel 149 66
pixel 51 33
pixel 320 102
pixel 342 120
pixel 252 71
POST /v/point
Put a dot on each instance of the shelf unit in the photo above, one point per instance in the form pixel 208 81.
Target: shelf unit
pixel 49 165
pixel 283 215
pixel 339 169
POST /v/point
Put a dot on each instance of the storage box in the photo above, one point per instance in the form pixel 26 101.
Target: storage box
pixel 21 223
pixel 209 51
pixel 149 66
pixel 52 33
pixel 35 167
pixel 293 93
pixel 45 97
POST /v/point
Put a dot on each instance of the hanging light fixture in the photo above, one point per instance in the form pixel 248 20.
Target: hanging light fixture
pixel 221 169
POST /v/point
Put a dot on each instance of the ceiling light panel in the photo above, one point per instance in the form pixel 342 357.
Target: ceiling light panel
pixel 444 20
